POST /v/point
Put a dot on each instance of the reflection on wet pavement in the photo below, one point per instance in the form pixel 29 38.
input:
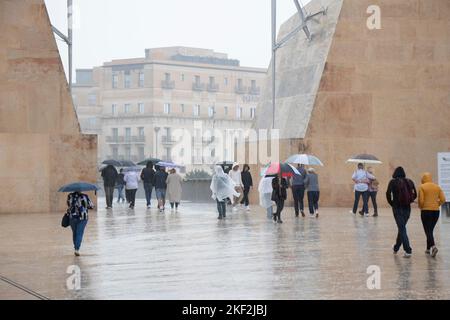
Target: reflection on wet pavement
pixel 143 254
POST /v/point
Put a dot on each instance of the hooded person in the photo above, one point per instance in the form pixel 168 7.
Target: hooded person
pixel 236 175
pixel 265 195
pixel 400 193
pixel 222 187
pixel 431 197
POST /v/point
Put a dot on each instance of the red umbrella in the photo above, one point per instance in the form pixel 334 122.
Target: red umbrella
pixel 286 170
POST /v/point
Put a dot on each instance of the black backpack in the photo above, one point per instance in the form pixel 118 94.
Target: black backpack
pixel 405 192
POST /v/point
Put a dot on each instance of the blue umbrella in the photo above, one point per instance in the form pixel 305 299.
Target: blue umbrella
pixel 78 187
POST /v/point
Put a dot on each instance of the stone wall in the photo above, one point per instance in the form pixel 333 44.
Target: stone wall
pixel 41 147
pixel 384 92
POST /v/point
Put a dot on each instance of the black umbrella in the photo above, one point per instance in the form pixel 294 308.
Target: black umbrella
pixel 112 162
pixel 127 163
pixel 153 160
pixel 78 187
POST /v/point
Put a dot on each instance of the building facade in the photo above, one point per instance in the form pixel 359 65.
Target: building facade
pixel 166 104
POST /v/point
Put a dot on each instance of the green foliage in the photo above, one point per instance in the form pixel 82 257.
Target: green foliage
pixel 197 175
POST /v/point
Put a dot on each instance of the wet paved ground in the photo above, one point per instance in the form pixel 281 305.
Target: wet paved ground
pixel 143 254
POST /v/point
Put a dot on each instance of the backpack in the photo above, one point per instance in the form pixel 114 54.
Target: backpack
pixel 405 193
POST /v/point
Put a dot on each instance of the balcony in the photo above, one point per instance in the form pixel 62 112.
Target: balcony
pixel 168 140
pixel 125 139
pixel 197 86
pixel 256 91
pixel 168 84
pixel 213 87
pixel 240 90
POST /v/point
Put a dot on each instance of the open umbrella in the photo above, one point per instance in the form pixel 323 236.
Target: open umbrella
pixel 78 187
pixel 275 168
pixel 169 164
pixel 153 160
pixel 135 168
pixel 364 158
pixel 112 162
pixel 305 159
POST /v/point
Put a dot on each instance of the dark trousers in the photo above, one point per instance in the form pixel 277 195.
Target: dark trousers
pixel 148 192
pixel 365 197
pixel 222 208
pixel 244 200
pixel 132 196
pixel 429 221
pixel 298 192
pixel 280 207
pixel 401 216
pixel 172 204
pixel 313 201
pixel 373 196
pixel 109 194
pixel 77 227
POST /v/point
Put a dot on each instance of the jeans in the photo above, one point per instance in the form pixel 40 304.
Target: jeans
pixel 109 194
pixel 401 216
pixel 132 197
pixel 313 201
pixel 245 197
pixel 280 207
pixel 148 192
pixel 373 196
pixel 429 221
pixel 298 192
pixel 160 194
pixel 365 196
pixel 222 208
pixel 77 227
pixel 269 212
pixel 120 195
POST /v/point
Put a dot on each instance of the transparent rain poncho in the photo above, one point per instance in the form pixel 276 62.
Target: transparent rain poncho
pixel 265 192
pixel 222 186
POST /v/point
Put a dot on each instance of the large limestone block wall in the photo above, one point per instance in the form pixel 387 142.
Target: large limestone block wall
pixel 41 146
pixel 385 92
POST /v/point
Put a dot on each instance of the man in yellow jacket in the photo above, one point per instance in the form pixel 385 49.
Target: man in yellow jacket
pixel 431 197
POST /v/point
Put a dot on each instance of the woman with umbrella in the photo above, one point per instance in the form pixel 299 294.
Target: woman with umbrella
pixel 78 205
pixel 222 187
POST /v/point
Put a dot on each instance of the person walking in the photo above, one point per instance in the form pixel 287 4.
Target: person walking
pixel 312 186
pixel 361 179
pixel 131 185
pixel 174 189
pixel 120 185
pixel 78 206
pixel 148 178
pixel 265 195
pixel 431 197
pixel 298 190
pixel 279 195
pixel 400 193
pixel 109 175
pixel 247 182
pixel 161 187
pixel 235 175
pixel 373 191
pixel 222 188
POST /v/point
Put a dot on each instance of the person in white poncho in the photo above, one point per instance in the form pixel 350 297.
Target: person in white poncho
pixel 265 195
pixel 222 187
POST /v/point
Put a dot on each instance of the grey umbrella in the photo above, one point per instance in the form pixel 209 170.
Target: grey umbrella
pixel 364 158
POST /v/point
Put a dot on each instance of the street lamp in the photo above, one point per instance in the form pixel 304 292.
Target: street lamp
pixel 304 18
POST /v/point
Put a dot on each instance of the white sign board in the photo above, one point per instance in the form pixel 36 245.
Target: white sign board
pixel 444 173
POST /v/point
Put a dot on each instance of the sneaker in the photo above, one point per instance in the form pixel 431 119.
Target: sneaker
pixel 247 208
pixel 219 217
pixel 317 214
pixel 393 249
pixel 77 253
pixel 274 218
pixel 366 215
pixel 428 251
pixel 296 215
pixel 148 207
pixel 351 211
pixel 375 214
pixel 279 221
pixel 434 251
pixel 361 213
pixel 407 255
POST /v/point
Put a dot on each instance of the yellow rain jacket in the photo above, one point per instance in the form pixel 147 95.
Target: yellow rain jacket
pixel 431 196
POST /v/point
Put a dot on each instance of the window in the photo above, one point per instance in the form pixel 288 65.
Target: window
pixel 141 79
pixel 253 84
pixel 197 79
pixel 211 111
pixel 127 153
pixel 252 112
pixel 181 153
pixel 213 153
pixel 182 77
pixel 196 110
pixel 141 132
pixel 167 76
pixel 141 107
pixel 167 108
pixel 182 108
pixel 239 83
pixel 128 134
pixel 225 81
pixel 212 80
pixel 92 122
pixel 114 109
pixel 127 80
pixel 115 152
pixel 141 153
pixel 115 132
pixel 225 110
pixel 127 108
pixel 92 99
pixel 115 80
pixel 238 112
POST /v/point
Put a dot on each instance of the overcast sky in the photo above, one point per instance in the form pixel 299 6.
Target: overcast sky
pixel 114 29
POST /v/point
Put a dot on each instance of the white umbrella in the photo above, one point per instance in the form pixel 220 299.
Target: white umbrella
pixel 305 159
pixel 364 158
